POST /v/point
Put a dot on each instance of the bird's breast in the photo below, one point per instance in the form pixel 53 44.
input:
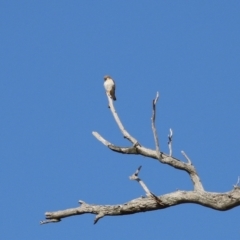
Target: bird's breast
pixel 108 85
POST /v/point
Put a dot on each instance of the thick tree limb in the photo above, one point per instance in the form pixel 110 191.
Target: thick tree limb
pixel 217 201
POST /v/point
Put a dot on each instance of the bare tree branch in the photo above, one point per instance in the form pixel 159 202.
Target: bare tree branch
pixel 141 150
pixel 135 177
pixel 188 159
pixel 119 123
pixel 237 186
pixel 126 150
pixel 144 186
pixel 217 201
pixel 165 159
pixel 170 136
pixel 101 139
pixel 154 127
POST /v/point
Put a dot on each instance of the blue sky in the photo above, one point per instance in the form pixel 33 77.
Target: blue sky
pixel 54 55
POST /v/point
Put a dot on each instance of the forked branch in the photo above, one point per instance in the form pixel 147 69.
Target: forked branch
pixel 217 201
pixel 145 188
pixel 137 148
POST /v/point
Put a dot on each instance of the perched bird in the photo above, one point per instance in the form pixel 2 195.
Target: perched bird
pixel 110 87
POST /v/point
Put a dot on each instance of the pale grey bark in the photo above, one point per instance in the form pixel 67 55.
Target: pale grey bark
pixel 217 201
pixel 154 127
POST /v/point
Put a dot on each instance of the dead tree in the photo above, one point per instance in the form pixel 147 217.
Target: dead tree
pixel 217 201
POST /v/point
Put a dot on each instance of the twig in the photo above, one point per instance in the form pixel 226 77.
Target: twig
pixel 237 186
pixel 170 136
pixel 238 180
pixel 154 127
pixel 188 159
pixel 98 217
pixel 50 221
pixel 135 177
pixel 127 150
pixel 144 186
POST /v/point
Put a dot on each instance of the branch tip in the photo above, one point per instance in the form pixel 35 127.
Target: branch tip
pixel 135 175
pixel 236 185
pixel 156 98
pixel 101 139
pixel 188 159
pixel 138 170
pixel 81 202
pixel 54 220
pixel 98 216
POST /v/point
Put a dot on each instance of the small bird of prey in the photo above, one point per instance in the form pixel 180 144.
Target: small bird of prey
pixel 110 87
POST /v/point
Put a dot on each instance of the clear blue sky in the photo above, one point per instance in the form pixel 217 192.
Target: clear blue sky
pixel 54 55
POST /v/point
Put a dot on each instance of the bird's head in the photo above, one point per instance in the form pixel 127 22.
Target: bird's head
pixel 106 77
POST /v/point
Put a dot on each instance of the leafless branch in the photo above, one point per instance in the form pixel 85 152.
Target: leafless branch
pixel 119 123
pixel 188 159
pixel 237 186
pixel 144 186
pixel 101 139
pixel 170 136
pixel 126 150
pixel 154 127
pixel 135 177
pixel 54 220
pixel 141 150
pixel 217 201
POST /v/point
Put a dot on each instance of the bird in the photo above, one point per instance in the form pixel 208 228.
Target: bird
pixel 110 87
